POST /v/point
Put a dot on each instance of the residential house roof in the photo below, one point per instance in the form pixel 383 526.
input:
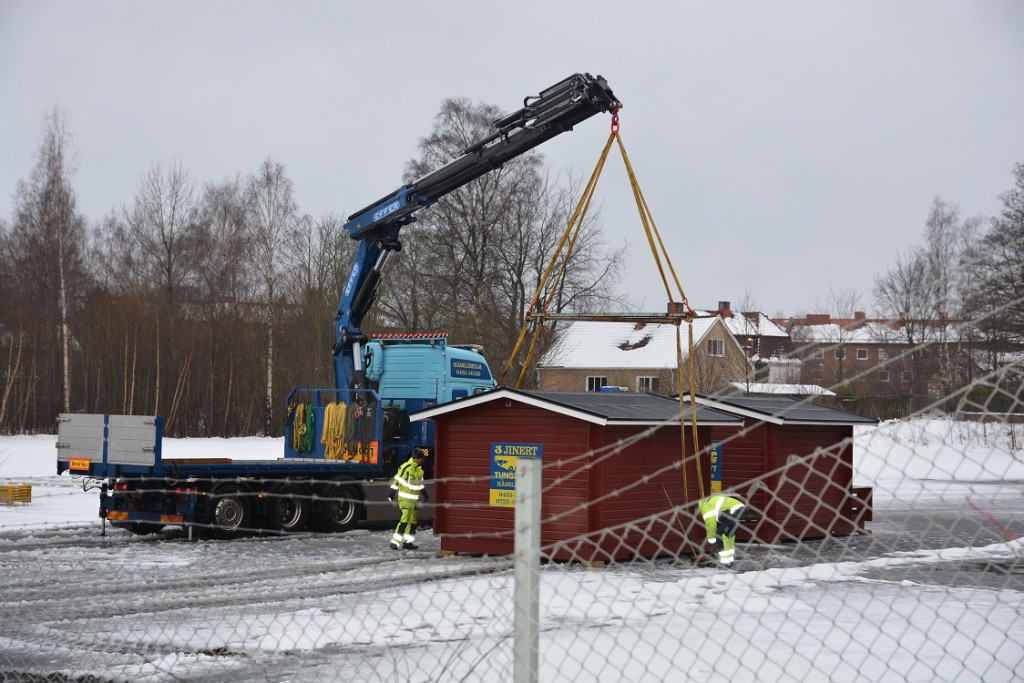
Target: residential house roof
pixel 593 344
pixel 781 389
pixel 822 328
pixel 874 332
pixel 753 324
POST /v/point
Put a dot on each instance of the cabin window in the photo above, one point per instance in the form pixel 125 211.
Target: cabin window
pixel 716 347
pixel 595 383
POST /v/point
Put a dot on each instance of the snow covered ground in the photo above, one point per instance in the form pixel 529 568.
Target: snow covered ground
pixel 61 500
pixel 935 593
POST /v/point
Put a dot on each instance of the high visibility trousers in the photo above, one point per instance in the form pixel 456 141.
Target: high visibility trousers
pixel 405 532
pixel 727 553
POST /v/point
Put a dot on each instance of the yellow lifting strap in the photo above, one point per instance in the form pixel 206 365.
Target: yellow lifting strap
pixel 651 230
pixel 572 231
pixel 658 250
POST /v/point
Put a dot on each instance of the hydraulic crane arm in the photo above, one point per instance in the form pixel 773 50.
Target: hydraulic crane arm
pixel 554 111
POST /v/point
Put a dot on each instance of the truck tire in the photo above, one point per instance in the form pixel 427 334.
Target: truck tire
pixel 340 508
pixel 230 511
pixel 288 510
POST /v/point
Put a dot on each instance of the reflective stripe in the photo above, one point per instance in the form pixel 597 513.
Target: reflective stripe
pixel 403 482
pixel 719 502
pixel 408 496
pixel 397 538
pixel 409 538
pixel 726 554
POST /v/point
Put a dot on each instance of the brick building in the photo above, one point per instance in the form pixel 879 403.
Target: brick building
pixel 871 357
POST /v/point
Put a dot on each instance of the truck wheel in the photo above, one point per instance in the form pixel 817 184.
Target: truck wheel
pixel 231 511
pixel 341 510
pixel 289 509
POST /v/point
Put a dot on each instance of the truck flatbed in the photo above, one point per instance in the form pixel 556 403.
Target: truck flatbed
pixel 142 492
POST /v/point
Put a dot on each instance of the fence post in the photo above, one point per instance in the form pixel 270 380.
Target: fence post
pixel 527 570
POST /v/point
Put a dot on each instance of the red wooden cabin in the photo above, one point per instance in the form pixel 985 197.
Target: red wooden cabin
pixel 792 462
pixel 610 474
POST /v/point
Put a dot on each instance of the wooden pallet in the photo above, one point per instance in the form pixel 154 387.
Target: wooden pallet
pixel 15 493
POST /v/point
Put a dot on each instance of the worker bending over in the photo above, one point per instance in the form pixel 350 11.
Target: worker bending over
pixel 406 488
pixel 721 518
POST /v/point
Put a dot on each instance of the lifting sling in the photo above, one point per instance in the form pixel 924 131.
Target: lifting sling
pixel 302 427
pixel 333 435
pixel 538 310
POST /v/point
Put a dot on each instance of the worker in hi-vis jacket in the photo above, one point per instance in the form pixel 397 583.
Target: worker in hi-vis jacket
pixel 721 518
pixel 406 489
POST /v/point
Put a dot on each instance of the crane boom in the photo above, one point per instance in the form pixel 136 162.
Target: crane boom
pixel 552 112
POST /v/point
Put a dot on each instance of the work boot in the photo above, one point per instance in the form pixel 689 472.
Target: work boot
pixel 410 546
pixel 395 546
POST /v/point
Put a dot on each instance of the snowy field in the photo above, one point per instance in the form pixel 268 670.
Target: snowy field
pixel 935 593
pixel 61 500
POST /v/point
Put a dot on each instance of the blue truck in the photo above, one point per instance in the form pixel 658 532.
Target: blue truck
pixel 310 486
pixel 343 444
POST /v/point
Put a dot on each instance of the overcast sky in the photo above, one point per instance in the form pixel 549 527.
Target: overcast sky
pixel 786 149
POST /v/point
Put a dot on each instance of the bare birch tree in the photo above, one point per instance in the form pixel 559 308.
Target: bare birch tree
pixel 924 291
pixel 48 242
pixel 273 222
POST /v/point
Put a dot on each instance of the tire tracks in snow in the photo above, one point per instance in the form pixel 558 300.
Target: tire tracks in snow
pixel 119 580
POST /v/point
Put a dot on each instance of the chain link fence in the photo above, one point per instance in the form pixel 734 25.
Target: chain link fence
pixel 931 588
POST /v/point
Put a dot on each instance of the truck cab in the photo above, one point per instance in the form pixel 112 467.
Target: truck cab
pixel 417 371
pixel 410 372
